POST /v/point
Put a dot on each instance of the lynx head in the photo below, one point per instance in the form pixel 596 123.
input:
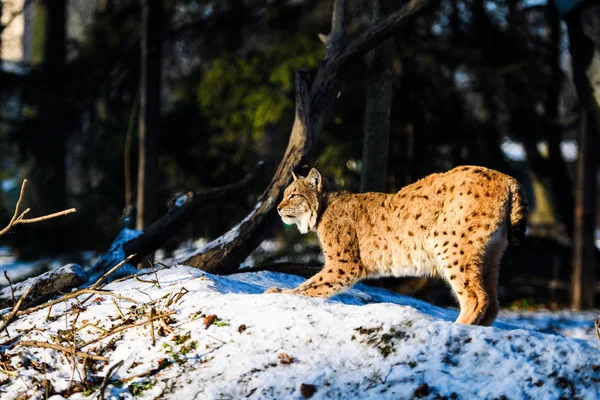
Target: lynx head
pixel 300 204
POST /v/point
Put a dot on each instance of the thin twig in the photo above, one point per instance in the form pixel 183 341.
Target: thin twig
pixel 93 326
pixel 152 314
pixel 8 319
pixel 111 371
pixel 7 372
pixel 37 343
pixel 73 350
pixel 12 290
pixel 142 292
pixel 152 282
pixel 118 309
pixel 125 327
pixel 74 295
pixel 46 217
pixel 155 274
pixel 149 372
pixel 20 218
pixel 111 271
pixel 49 313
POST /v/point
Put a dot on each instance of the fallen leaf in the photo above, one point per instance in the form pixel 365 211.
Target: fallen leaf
pixel 285 359
pixel 307 390
pixel 209 320
pixel 241 328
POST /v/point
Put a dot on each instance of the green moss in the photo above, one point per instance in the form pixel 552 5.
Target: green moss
pixel 137 388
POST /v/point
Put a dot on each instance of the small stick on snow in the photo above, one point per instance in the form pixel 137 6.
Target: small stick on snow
pixel 118 309
pixel 20 218
pixel 13 313
pixel 151 281
pixel 111 271
pixel 7 372
pixel 74 295
pixel 85 325
pixel 125 327
pixel 111 371
pixel 152 315
pixel 12 291
pixel 54 346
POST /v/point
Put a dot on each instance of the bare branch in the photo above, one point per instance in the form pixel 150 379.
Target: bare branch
pixel 37 343
pixel 111 271
pixel 125 327
pixel 20 218
pixel 111 371
pixel 12 289
pixel 379 31
pixel 7 320
pixel 333 41
pixel 74 295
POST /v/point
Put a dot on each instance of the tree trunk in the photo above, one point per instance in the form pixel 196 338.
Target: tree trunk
pixel 46 167
pixel 57 280
pixel 379 85
pixel 149 121
pixel 562 185
pixel 314 101
pixel 584 40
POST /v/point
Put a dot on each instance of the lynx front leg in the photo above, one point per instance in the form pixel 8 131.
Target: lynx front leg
pixel 332 279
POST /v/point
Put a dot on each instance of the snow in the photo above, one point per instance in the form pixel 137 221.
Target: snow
pixel 115 255
pixel 367 343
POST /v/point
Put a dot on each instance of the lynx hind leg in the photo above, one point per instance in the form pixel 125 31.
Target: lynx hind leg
pixel 493 256
pixel 463 267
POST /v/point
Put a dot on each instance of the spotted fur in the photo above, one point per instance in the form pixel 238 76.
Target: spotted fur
pixel 454 225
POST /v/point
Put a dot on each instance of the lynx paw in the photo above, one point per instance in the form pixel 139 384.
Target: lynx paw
pixel 274 289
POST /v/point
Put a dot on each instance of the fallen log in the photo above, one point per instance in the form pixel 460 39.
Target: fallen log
pixel 130 242
pixel 48 283
pixel 314 102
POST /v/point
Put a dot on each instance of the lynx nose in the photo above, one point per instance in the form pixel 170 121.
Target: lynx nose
pixel 279 207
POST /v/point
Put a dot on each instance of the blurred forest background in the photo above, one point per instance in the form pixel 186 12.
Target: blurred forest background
pixel 470 82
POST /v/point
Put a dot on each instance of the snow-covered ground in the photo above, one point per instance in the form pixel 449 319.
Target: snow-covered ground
pixel 221 338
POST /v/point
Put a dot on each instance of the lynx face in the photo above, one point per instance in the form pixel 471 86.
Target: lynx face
pixel 300 204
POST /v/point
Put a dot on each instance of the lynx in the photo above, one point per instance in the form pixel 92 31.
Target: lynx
pixel 454 225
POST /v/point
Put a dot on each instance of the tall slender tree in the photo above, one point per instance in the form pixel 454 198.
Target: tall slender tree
pixel 378 90
pixel 149 114
pixel 584 38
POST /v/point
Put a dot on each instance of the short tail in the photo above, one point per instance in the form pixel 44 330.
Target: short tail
pixel 519 210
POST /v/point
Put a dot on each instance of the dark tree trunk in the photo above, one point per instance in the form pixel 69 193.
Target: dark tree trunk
pixel 46 148
pixel 584 40
pixel 54 63
pixel 149 120
pixel 379 85
pixel 561 183
pixel 1 31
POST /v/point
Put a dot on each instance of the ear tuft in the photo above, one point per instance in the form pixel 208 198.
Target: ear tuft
pixel 315 180
pixel 294 175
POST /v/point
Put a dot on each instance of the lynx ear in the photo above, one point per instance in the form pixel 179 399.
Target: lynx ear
pixel 315 180
pixel 294 175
